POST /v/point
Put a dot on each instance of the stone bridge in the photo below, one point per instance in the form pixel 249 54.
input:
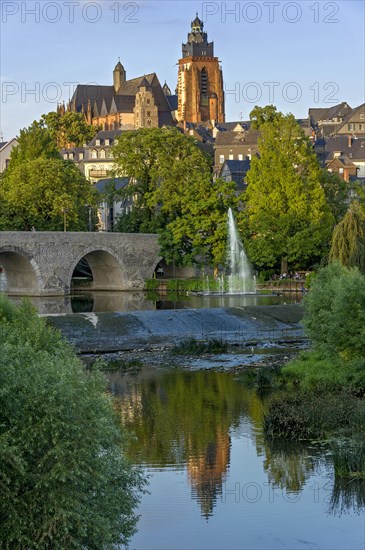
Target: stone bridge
pixel 42 263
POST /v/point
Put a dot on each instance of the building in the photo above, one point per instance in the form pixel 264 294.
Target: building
pixel 126 104
pixel 200 79
pixel 236 144
pixel 326 121
pixel 353 123
pixel 235 170
pixel 6 148
pixel 344 155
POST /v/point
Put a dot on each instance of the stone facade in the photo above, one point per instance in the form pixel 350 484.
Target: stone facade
pixel 42 264
pixel 200 79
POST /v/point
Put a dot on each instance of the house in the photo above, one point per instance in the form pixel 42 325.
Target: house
pixel 326 121
pixel 109 210
pixel 236 144
pixel 353 123
pixel 6 148
pixel 235 170
pixel 343 154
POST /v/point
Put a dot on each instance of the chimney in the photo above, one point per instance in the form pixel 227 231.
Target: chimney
pixel 350 141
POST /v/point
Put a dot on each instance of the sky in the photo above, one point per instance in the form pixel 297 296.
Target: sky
pixel 294 55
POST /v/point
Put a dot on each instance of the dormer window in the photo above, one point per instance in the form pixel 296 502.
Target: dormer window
pixel 97 142
pixel 81 156
pixel 65 156
pixel 102 154
pixel 94 154
pixel 336 154
pixel 107 142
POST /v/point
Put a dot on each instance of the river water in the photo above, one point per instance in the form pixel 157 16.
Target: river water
pixel 215 483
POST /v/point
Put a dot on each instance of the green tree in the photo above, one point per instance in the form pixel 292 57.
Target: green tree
pixel 336 191
pixel 69 129
pixel 39 192
pixel 39 187
pixel 286 214
pixel 33 142
pixel 64 480
pixel 173 194
pixel 348 239
pixel 335 312
pixel 263 115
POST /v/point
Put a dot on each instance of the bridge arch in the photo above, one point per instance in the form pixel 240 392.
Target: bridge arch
pixel 107 269
pixel 23 275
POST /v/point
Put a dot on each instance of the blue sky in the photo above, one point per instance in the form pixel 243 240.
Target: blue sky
pixel 294 54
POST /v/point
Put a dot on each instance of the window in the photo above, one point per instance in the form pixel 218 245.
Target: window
pixel 97 142
pixel 148 113
pixel 360 126
pixel 361 116
pixel 240 157
pixel 340 171
pixel 81 156
pixel 350 155
pixel 102 154
pixel 65 156
pixel 204 82
pixel 148 101
pixel 230 157
pixel 94 154
pixel 221 159
pixel 350 126
pixel 107 142
pixel 363 144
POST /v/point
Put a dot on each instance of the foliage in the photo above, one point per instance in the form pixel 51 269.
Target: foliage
pixel 36 193
pixel 348 239
pixel 69 129
pixel 263 115
pixel 311 415
pixel 64 480
pixel 311 371
pixel 336 191
pixel 335 312
pixel 173 194
pixel 286 216
pixel 33 142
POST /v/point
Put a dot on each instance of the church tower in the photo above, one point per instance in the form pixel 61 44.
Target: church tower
pixel 200 79
pixel 145 109
pixel 119 76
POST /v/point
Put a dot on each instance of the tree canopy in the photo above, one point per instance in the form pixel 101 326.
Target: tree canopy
pixel 348 239
pixel 39 187
pixel 64 480
pixel 286 214
pixel 68 129
pixel 173 194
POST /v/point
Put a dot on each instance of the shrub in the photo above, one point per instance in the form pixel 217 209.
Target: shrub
pixel 63 477
pixel 191 346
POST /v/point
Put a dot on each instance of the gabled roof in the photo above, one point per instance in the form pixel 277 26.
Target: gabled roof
pixel 352 113
pixel 328 113
pixel 119 183
pixel 340 144
pixel 237 138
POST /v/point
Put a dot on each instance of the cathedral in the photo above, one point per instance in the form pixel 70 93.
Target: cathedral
pixel 143 103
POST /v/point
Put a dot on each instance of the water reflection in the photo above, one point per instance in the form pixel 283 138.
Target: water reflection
pixel 98 302
pixel 183 421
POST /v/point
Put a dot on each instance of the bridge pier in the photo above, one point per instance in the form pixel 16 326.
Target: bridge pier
pixel 42 263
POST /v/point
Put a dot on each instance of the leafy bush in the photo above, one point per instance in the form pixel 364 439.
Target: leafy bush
pixel 335 312
pixel 63 477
